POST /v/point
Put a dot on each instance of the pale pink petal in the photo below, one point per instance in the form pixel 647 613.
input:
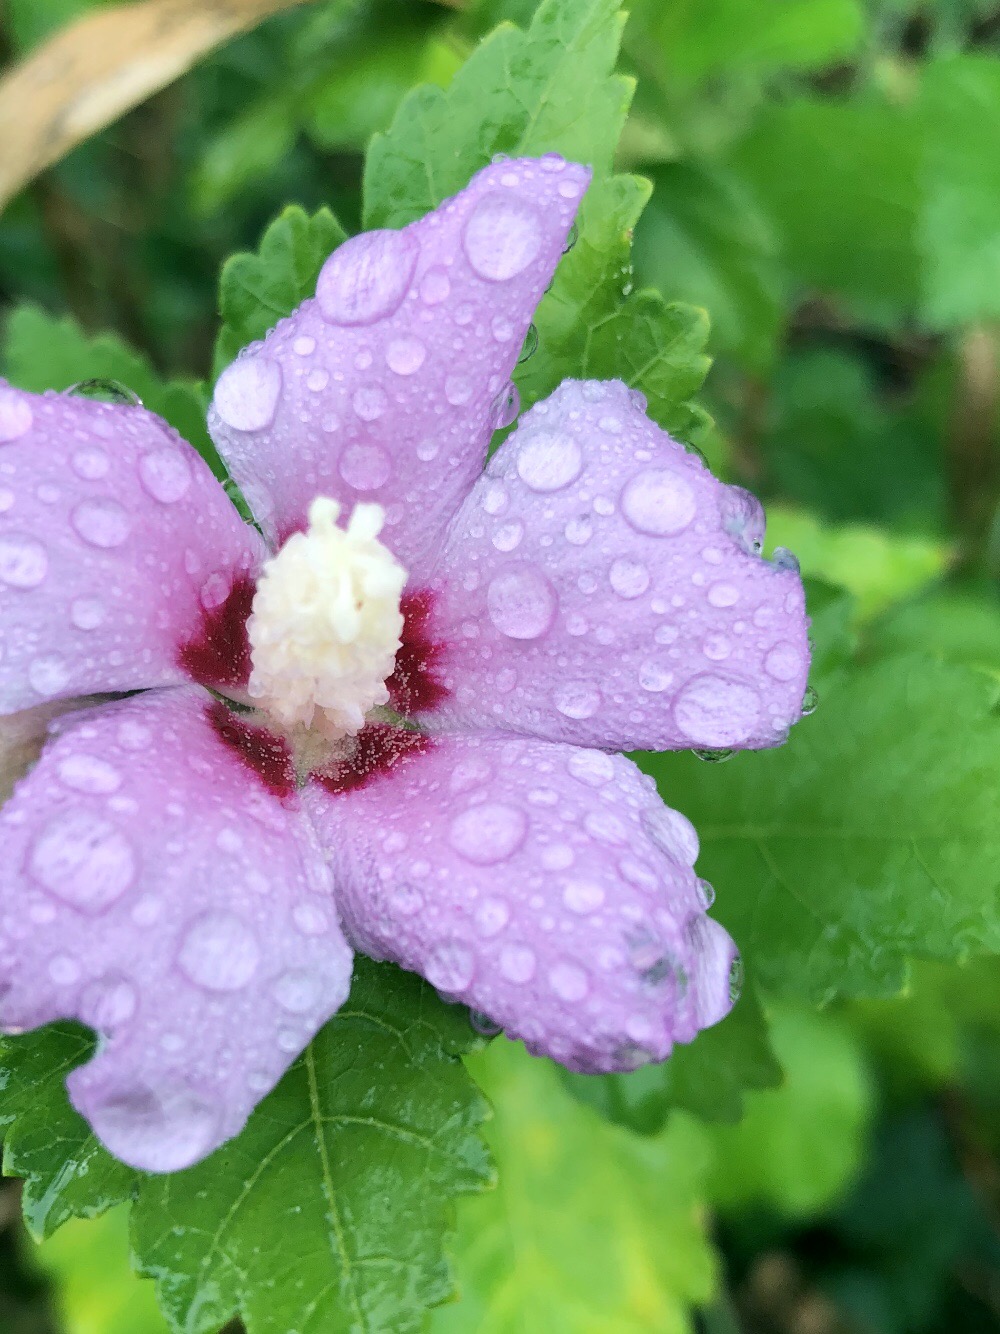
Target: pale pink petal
pixel 547 887
pixel 158 886
pixel 118 548
pixel 388 385
pixel 600 586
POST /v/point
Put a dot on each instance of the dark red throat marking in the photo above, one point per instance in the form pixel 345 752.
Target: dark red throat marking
pixel 415 685
pixel 380 748
pixel 219 655
pixel 266 755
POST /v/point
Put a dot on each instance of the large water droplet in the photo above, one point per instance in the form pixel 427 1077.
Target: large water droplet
pixel 82 860
pixel 106 391
pixel 783 559
pixel 24 562
pixel 717 711
pixel 298 991
pixel 592 767
pixel 91 463
pixel 743 518
pixel 405 356
pixel 488 833
pixel 783 662
pixel 48 675
pixel 219 952
pixel 492 915
pixel 502 237
pixel 583 896
pixel 577 699
pixel 569 982
pixel 672 833
pixel 658 502
pixel 809 702
pixel 517 963
pixel 165 474
pixel 365 467
pixel 246 396
pixel 89 773
pixel 549 460
pixel 15 415
pixel 505 407
pixel 713 756
pixel 483 1025
pixel 736 976
pixel 87 613
pixel 521 602
pixel 450 967
pixel 367 277
pixel 102 523
pixel 628 578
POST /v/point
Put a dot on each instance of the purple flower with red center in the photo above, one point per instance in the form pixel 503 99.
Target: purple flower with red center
pixel 386 719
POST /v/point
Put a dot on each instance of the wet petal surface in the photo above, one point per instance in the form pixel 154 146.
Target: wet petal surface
pixel 116 544
pixel 546 887
pixel 155 888
pixel 388 385
pixel 600 586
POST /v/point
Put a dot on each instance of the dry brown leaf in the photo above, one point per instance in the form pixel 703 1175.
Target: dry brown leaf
pixel 96 68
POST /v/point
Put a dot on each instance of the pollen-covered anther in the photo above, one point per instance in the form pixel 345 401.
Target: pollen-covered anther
pixel 326 624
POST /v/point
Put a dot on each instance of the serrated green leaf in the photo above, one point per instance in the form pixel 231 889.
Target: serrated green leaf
pixel 798 1146
pixel 258 289
pixel 708 1078
pixel 42 352
pixel 871 836
pixel 66 1172
pixel 703 239
pixel 522 93
pixel 327 1212
pixel 592 1230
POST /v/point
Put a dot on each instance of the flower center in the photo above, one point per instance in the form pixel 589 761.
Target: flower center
pixel 326 624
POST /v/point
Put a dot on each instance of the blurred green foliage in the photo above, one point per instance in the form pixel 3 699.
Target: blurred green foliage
pixel 820 178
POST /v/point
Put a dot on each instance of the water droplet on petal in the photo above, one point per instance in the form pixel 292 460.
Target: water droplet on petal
pixel 366 278
pixel 583 896
pixel 87 613
pixel 107 1004
pixel 736 978
pixel 365 467
pixel 783 559
pixel 743 518
pixel 577 699
pixel 159 1133
pixel 502 237
pixel 15 415
pixel 24 562
pixel 219 952
pixel 521 602
pixel 592 767
pixel 713 756
pixel 406 355
pixel 89 773
pixel 658 502
pixel 517 963
pixel 247 393
pixel 505 407
pixel 101 523
pixel 809 702
pixel 628 578
pixel 165 474
pixel 569 982
pixel 672 833
pixel 483 1025
pixel 717 711
pixel 435 286
pixel 450 967
pixel 572 236
pixel 488 833
pixel 82 860
pixel 530 345
pixel 105 391
pixel 548 461
pixel 492 915
pixel 783 662
pixel 91 463
pixel 297 991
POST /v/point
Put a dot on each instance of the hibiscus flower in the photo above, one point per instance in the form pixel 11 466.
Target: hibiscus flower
pixel 384 718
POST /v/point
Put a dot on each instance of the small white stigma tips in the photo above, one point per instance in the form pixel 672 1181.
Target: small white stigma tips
pixel 326 623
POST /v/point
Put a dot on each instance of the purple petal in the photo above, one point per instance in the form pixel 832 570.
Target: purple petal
pixel 600 586
pixel 116 544
pixel 546 887
pixel 388 386
pixel 155 889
